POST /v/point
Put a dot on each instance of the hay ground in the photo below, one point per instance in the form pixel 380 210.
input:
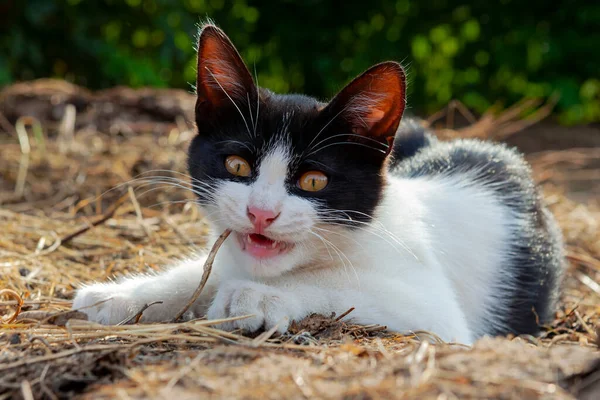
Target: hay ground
pixel 67 217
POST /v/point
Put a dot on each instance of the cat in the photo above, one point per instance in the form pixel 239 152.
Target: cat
pixel 344 204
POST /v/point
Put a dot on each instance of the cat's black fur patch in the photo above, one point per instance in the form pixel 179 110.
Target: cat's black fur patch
pixel 353 167
pixel 535 258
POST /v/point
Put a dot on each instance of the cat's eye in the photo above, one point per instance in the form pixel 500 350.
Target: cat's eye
pixel 237 166
pixel 313 181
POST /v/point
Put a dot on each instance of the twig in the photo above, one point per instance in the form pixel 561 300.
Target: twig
pixel 263 337
pixel 178 231
pixel 181 373
pixel 26 390
pixel 49 317
pixel 25 151
pixel 99 221
pixel 19 300
pixel 584 259
pixel 452 108
pixel 36 302
pixel 464 111
pixel 344 314
pixel 136 318
pixel 66 131
pixel 6 125
pixel 207 268
pixel 43 385
pixel 42 341
pixel 538 115
pixel 23 135
pixel 375 328
pixel 585 326
pixel 62 354
pixel 537 316
pixel 587 281
pixel 517 109
pixel 138 211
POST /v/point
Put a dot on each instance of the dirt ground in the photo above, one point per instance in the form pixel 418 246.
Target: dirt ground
pixel 88 191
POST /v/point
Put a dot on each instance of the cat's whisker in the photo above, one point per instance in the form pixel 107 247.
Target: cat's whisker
pixel 257 100
pixel 175 179
pixel 170 171
pixel 203 192
pixel 341 143
pixel 174 183
pixel 232 211
pixel 140 178
pixel 209 217
pixel 373 223
pixel 250 113
pixel 239 143
pixel 215 210
pixel 327 245
pixel 339 234
pixel 229 97
pixel 344 223
pixel 325 126
pixel 316 146
pixel 346 214
pixel 340 254
pixel 365 228
pixel 393 243
pixel 172 202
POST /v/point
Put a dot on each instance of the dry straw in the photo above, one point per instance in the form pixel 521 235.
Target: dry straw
pixel 74 219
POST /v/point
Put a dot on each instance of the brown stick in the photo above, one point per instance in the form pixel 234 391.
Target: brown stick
pixel 6 125
pixel 99 221
pixel 344 314
pixel 134 319
pixel 207 268
pixel 55 356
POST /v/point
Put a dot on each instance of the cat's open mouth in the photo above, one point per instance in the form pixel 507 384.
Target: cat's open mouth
pixel 260 246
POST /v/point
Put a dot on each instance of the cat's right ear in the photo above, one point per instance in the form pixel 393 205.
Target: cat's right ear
pixel 223 81
pixel 372 104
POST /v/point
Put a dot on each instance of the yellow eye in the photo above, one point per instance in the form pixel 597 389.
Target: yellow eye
pixel 237 166
pixel 312 181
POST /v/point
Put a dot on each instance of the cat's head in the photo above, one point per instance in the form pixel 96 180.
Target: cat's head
pixel 288 174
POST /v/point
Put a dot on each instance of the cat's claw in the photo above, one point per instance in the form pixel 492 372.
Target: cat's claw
pixel 268 306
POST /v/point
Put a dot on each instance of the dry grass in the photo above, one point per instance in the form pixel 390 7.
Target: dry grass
pixel 66 217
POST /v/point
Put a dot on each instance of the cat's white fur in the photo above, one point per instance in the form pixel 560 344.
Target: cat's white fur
pixel 429 260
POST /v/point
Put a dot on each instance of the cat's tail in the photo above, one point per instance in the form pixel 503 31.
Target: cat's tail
pixel 411 137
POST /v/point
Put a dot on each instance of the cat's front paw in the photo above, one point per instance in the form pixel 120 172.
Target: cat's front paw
pixel 268 305
pixel 104 303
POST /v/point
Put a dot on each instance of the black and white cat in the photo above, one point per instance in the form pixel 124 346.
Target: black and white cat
pixel 341 205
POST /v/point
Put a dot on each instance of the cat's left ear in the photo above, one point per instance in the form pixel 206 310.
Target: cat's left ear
pixel 373 103
pixel 223 80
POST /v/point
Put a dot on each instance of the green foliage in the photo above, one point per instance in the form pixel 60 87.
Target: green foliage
pixel 479 53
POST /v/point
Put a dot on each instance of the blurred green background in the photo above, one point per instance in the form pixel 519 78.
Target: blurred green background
pixel 480 53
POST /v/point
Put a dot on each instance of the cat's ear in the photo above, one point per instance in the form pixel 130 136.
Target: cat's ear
pixel 223 81
pixel 373 103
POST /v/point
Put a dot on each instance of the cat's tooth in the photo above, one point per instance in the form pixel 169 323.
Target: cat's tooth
pixel 274 244
pixel 249 239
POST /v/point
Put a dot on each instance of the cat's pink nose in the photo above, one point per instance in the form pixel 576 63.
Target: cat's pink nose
pixel 261 218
